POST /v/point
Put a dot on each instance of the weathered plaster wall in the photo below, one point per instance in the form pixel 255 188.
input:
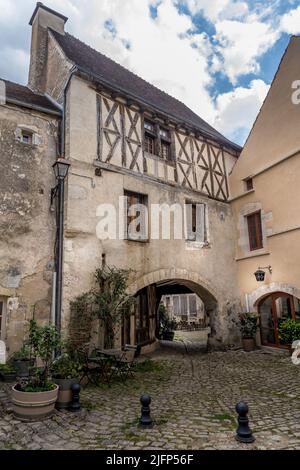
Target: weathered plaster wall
pixel 272 156
pixel 26 225
pixel 83 250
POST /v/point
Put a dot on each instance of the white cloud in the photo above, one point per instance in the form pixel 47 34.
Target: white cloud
pixel 215 10
pixel 290 22
pixel 162 50
pixel 167 50
pixel 241 45
pixel 237 109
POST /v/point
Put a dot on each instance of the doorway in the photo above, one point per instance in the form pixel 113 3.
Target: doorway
pixel 274 309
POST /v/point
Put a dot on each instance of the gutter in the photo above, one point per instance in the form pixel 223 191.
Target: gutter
pixel 33 106
pixel 57 296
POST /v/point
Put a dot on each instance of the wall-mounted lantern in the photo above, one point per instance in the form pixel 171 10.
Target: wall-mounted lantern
pixel 260 273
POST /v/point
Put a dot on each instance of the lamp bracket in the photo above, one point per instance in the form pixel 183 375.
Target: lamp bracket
pixel 267 267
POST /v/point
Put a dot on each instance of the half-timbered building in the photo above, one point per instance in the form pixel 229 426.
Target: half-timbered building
pixel 126 139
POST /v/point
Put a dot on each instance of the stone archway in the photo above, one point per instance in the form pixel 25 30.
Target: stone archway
pixel 265 290
pixel 221 312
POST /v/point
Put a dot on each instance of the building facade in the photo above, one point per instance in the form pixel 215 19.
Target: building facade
pixel 265 199
pixel 129 145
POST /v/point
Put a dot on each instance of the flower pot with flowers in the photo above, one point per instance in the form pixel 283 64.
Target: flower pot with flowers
pixel 34 398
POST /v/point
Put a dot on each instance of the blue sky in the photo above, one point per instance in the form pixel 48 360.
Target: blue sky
pixel 217 56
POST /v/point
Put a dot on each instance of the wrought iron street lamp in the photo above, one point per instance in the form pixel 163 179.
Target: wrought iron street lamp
pixel 260 273
pixel 60 168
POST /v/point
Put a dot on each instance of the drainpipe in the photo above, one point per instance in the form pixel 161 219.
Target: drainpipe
pixel 57 295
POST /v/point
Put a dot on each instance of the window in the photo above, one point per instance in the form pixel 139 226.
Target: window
pixel 137 216
pixel 255 231
pixel 248 184
pixel 192 304
pixel 149 143
pixel 156 137
pixel 195 222
pixel 26 137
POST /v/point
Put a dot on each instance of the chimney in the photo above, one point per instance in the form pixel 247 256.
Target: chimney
pixel 42 19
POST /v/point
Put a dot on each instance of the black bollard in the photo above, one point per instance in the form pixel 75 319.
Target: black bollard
pixel 145 420
pixel 75 404
pixel 243 432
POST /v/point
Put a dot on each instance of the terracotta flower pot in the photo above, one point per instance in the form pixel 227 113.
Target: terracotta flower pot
pixel 33 406
pixel 248 344
pixel 64 394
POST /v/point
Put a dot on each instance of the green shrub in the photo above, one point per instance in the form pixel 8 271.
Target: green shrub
pixel 66 368
pixel 7 369
pixel 248 324
pixel 289 331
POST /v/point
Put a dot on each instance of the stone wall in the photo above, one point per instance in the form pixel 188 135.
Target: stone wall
pixel 27 227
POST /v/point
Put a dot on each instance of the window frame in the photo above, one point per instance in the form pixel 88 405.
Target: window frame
pixel 128 219
pixel 248 184
pixel 159 140
pixel 25 133
pixel 197 238
pixel 258 231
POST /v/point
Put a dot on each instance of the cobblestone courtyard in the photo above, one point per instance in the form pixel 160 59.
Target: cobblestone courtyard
pixel 193 401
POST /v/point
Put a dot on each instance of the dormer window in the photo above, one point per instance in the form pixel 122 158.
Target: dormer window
pixel 157 140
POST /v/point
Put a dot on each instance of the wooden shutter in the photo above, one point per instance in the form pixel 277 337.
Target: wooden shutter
pixel 255 231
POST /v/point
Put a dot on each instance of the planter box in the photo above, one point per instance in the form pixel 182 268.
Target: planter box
pixel 64 393
pixel 30 406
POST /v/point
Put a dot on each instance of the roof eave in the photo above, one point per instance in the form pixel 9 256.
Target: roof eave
pixel 42 109
pixel 91 76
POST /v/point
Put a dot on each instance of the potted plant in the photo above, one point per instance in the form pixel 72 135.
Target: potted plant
pixel 248 326
pixel 289 331
pixel 34 398
pixel 22 361
pixel 8 373
pixel 66 371
pixel 111 302
pixel 167 327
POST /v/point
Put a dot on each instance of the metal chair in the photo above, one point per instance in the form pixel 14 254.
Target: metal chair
pixel 126 362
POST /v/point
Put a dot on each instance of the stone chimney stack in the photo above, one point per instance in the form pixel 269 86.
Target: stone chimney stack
pixel 42 19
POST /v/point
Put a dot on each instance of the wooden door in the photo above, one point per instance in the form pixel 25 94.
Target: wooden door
pixel 274 309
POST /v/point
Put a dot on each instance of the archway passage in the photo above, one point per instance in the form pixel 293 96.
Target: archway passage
pixel 273 310
pixel 142 328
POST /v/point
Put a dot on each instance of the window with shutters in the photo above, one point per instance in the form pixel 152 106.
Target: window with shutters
pixel 195 222
pixel 192 305
pixel 137 216
pixel 255 231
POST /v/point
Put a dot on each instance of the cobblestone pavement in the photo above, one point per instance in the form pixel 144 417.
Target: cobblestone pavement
pixel 193 406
